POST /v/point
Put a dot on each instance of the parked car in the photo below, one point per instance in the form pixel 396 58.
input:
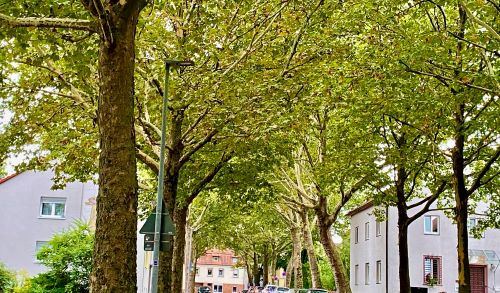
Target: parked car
pixel 283 289
pixel 204 289
pixel 244 291
pixel 269 288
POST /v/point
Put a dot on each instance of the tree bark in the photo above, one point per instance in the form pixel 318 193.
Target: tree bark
pixel 404 265
pixel 289 271
pixel 115 251
pixel 180 218
pixel 297 263
pixel 255 273
pixel 461 202
pixel 341 280
pixel 311 254
pixel 265 264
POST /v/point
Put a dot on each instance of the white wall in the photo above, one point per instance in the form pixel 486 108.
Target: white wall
pixel 20 222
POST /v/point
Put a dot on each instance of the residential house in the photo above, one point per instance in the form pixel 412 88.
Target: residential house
pixel 31 212
pixel 374 258
pixel 219 270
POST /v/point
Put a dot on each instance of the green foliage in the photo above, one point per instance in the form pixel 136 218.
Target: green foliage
pixel 7 278
pixel 68 257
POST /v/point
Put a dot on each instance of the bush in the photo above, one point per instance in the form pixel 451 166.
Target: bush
pixel 68 256
pixel 7 279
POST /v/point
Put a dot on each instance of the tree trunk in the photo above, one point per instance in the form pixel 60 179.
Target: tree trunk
pixel 188 258
pixel 341 280
pixel 256 278
pixel 289 271
pixel 180 218
pixel 461 203
pixel 297 263
pixel 404 265
pixel 192 277
pixel 311 254
pixel 115 251
pixel 265 265
pixel 249 272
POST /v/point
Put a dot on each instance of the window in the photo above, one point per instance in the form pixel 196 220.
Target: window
pixel 197 271
pixel 367 273
pixel 221 272
pixel 379 271
pixel 215 258
pixel 356 272
pixel 236 273
pixel 235 260
pixel 471 223
pixel 432 270
pixel 209 272
pixel 431 225
pixel 217 288
pixel 367 230
pixel 356 235
pixel 38 246
pixel 52 207
pixel 377 229
pixel 235 289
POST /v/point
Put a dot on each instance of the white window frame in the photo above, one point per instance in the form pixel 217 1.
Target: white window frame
pixel 210 272
pixel 356 235
pixel 430 217
pixel 379 272
pixel 235 259
pixel 216 287
pixel 52 201
pixel 470 226
pixel 38 245
pixel 378 231
pixel 438 274
pixel 236 273
pixel 367 231
pixel 220 273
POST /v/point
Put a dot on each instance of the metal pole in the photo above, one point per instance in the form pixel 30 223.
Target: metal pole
pixel 161 175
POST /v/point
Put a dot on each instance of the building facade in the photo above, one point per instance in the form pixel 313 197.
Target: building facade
pixel 31 213
pixel 432 243
pixel 219 270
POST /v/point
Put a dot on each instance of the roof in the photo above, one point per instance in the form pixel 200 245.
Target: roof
pixel 7 178
pixel 361 208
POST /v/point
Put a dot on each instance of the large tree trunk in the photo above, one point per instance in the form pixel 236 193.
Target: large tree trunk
pixel 404 266
pixel 180 218
pixel 289 271
pixel 297 263
pixel 265 265
pixel 115 251
pixel 461 203
pixel 403 223
pixel 334 258
pixel 173 155
pixel 255 269
pixel 311 254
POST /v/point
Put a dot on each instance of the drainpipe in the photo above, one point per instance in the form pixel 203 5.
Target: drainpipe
pixel 387 249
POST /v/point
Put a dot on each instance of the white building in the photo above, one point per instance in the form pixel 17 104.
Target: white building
pixel 218 270
pixel 432 243
pixel 31 213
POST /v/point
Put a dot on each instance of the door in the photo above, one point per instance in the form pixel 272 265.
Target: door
pixel 477 279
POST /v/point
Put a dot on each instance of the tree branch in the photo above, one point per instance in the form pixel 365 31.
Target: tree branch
pixel 477 183
pixel 208 178
pixel 430 200
pixel 198 146
pixel 48 22
pixel 147 160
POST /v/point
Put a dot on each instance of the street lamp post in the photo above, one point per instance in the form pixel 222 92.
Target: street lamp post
pixel 161 175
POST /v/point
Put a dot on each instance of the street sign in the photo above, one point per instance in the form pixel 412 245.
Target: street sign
pixel 165 240
pixel 167 226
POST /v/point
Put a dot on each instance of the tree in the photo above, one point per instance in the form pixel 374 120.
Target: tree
pixel 115 245
pixel 7 279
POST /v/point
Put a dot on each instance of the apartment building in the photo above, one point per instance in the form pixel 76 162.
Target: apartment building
pixel 219 270
pixel 374 258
